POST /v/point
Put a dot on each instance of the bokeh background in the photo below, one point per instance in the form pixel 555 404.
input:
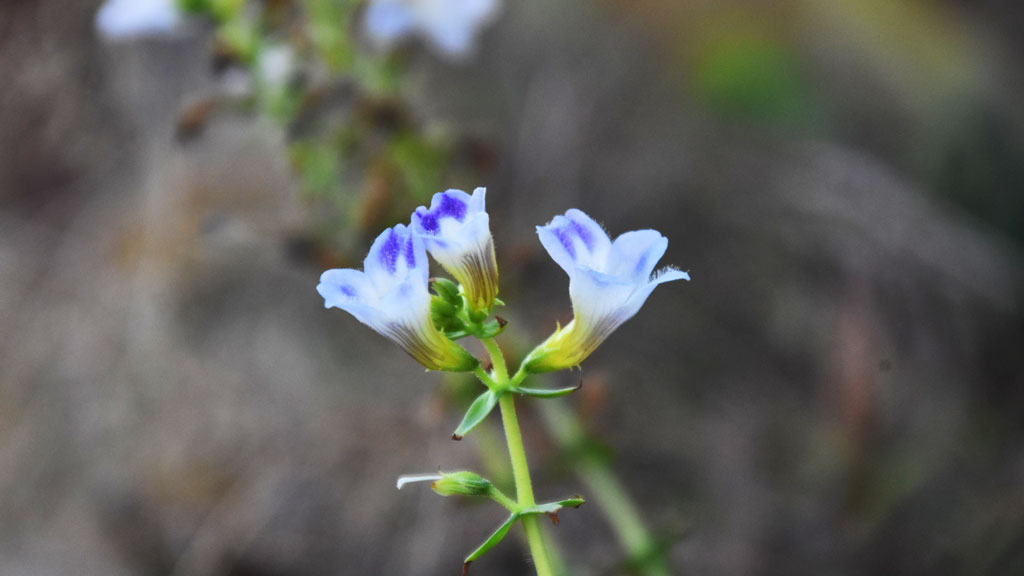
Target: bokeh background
pixel 839 390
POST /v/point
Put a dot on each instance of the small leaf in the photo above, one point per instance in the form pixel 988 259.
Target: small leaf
pixel 551 509
pixel 479 410
pixel 572 502
pixel 545 393
pixel 491 542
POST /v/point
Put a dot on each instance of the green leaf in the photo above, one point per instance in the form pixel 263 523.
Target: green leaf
pixel 545 393
pixel 491 542
pixel 479 410
pixel 572 502
pixel 551 509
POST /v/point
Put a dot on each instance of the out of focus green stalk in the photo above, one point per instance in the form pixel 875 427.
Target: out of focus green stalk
pixel 606 490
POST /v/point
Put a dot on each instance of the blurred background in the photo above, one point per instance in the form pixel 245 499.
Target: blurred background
pixel 839 390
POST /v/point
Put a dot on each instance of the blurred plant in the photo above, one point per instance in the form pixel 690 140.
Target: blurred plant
pixel 609 282
pixel 450 26
pixel 355 145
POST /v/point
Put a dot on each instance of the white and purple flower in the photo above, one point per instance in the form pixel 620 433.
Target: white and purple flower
pixel 450 26
pixel 456 231
pixel 608 283
pixel 391 296
pixel 130 19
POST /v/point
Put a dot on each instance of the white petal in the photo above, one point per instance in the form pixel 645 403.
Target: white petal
pixel 478 201
pixel 406 303
pixel 396 254
pixel 576 240
pixel 411 478
pixel 597 297
pixel 352 292
pixel 635 254
pixel 388 20
pixel 127 19
pixel 668 275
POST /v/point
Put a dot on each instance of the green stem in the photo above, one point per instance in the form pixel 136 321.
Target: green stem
pixel 500 371
pixel 524 488
pixel 500 497
pixel 520 467
pixel 484 377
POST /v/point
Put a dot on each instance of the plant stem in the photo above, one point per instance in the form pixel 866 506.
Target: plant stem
pixel 524 488
pixel 500 371
pixel 520 467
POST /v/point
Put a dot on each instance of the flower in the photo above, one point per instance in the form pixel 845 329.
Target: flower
pixel 456 231
pixel 450 26
pixel 276 65
pixel 608 283
pixel 130 19
pixel 390 295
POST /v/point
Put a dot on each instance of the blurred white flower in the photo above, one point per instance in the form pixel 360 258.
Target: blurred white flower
pixel 449 26
pixel 131 19
pixel 276 65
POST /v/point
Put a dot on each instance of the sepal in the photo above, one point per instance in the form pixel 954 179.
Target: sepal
pixel 451 314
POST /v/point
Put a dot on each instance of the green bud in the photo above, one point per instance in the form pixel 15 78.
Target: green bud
pixel 462 484
pixel 443 315
pixel 447 290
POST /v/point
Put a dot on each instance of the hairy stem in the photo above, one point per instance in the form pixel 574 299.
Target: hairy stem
pixel 520 468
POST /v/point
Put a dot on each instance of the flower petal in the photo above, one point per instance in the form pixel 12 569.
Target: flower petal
pixel 635 254
pixel 668 275
pixel 128 19
pixel 396 254
pixel 387 21
pixel 447 210
pixel 575 239
pixel 351 291
pixel 456 230
pixel 405 302
pixel 478 201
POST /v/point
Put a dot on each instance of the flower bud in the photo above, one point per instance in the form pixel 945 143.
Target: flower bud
pixel 462 484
